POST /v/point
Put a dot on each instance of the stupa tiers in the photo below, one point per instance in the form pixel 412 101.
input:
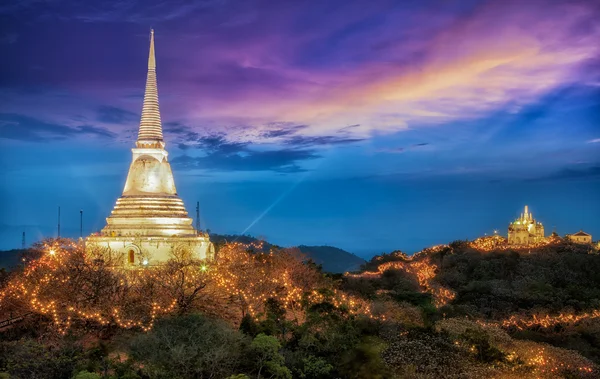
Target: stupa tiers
pixel 149 221
pixel 525 230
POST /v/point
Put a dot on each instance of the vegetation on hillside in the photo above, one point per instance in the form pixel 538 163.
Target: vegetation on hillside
pixel 331 259
pixel 461 310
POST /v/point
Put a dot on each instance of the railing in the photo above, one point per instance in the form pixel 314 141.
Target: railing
pixel 13 320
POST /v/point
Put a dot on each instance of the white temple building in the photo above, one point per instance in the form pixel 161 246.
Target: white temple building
pixel 149 221
pixel 580 237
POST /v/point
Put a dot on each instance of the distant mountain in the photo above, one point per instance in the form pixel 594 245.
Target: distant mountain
pixel 332 258
pixel 10 258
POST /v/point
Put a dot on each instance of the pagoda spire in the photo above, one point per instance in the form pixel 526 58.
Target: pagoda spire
pixel 150 133
pixel 149 220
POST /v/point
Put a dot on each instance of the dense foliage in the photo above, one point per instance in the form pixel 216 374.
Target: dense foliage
pixel 448 312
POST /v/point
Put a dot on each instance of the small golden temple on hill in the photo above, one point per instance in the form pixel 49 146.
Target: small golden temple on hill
pixel 525 230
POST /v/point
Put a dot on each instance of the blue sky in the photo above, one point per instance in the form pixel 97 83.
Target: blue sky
pixel 392 125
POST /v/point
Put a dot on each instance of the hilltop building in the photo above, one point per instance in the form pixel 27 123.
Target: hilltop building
pixel 149 221
pixel 525 230
pixel 580 237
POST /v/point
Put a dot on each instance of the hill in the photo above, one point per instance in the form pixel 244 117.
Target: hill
pixel 10 258
pixel 332 259
pixel 469 309
pixel 548 293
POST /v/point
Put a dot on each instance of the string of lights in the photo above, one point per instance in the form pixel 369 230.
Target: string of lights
pixel 422 269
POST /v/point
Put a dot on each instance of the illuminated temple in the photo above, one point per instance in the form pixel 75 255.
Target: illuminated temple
pixel 525 230
pixel 149 221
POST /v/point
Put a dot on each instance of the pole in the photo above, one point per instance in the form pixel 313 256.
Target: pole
pixel 23 242
pixel 81 223
pixel 59 222
pixel 197 215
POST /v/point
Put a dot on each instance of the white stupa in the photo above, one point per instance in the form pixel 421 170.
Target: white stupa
pixel 149 221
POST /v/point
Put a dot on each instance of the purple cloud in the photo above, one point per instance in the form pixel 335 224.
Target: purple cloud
pixel 236 68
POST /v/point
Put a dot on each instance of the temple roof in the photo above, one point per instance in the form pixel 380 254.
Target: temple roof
pixel 581 233
pixel 150 124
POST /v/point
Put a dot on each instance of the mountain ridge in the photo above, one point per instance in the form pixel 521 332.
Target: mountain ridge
pixel 332 259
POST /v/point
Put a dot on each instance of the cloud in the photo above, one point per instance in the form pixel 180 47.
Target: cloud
pixel 320 140
pixel 348 128
pixel 274 133
pixel 283 161
pixel 223 155
pixel 592 172
pixel 109 11
pixel 217 144
pixel 94 130
pixel 359 71
pixel 391 150
pixel 400 150
pixel 9 38
pixel 23 128
pixel 182 135
pixel 595 140
pixel 383 76
pixel 175 128
pixel 283 130
pixel 114 115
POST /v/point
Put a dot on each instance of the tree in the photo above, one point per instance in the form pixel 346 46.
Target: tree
pixel 72 285
pixel 268 360
pixel 189 346
pixel 250 279
pixel 315 368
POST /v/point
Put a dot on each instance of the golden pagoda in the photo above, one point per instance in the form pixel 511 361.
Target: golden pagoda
pixel 525 230
pixel 149 221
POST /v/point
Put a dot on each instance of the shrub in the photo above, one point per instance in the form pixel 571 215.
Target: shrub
pixel 189 346
pixel 87 375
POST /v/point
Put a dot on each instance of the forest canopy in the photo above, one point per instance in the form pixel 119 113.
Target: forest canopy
pixel 465 309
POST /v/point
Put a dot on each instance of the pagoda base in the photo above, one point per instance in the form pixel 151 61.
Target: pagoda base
pixel 141 251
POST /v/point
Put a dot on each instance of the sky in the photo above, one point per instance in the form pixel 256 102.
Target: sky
pixel 368 125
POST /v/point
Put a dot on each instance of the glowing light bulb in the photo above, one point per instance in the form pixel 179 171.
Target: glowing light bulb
pixel 145 262
pixel 203 268
pixel 52 252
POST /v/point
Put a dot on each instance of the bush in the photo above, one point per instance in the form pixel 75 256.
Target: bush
pixel 190 346
pixel 87 375
pixel 364 361
pixel 29 359
pixel 315 368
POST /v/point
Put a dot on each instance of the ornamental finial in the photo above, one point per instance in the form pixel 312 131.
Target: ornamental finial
pixel 151 59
